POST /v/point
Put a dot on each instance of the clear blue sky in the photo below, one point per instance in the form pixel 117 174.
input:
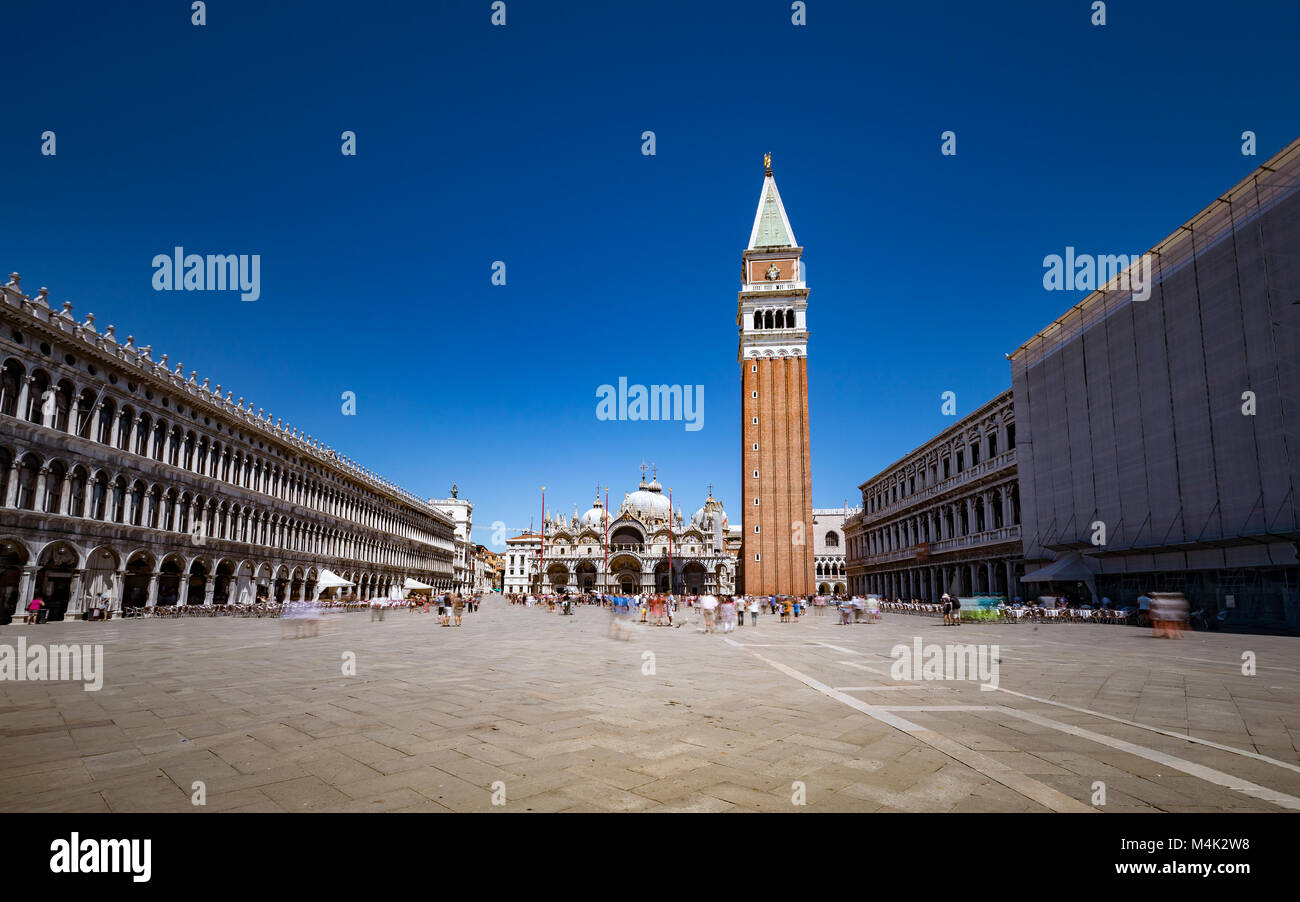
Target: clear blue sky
pixel 523 144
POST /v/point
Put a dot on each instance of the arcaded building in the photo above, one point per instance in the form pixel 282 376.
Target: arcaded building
pixel 125 483
pixel 1161 437
pixel 944 517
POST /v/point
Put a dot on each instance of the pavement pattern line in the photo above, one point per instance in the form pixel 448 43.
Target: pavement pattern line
pixel 1208 774
pixel 1132 723
pixel 1028 787
pixel 858 666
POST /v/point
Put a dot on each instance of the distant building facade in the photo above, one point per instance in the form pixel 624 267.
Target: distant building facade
pixel 488 567
pixel 521 560
pixel 945 517
pixel 462 515
pixel 640 547
pixel 830 564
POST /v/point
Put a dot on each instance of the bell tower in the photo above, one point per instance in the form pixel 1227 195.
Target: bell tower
pixel 776 478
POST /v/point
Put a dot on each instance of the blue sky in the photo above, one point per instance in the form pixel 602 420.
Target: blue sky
pixel 523 144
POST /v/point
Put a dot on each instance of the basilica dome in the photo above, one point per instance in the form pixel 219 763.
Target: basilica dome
pixel 712 508
pixel 648 501
pixel 594 518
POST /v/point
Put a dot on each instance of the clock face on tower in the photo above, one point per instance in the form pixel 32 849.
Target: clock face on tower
pixel 773 273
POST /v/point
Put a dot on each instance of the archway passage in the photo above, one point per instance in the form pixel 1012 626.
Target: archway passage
pixel 13 557
pixel 693 578
pixel 222 585
pixel 198 583
pixel 135 586
pixel 169 582
pixel 662 576
pixel 99 584
pixel 54 578
pixel 627 574
pixel 586 576
pixel 557 577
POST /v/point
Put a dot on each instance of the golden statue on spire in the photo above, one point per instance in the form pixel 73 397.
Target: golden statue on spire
pixel 767 162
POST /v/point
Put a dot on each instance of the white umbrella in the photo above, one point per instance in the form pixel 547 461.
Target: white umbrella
pixel 329 580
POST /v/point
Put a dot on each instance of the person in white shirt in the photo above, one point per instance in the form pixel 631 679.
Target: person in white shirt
pixel 753 611
pixel 708 604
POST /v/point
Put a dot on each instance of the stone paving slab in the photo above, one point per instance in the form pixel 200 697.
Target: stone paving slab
pixel 563 718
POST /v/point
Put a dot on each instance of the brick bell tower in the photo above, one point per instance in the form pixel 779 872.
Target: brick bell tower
pixel 776 478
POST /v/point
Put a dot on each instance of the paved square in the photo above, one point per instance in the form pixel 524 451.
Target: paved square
pixel 561 717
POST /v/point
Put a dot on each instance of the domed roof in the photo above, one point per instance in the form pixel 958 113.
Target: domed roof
pixel 711 508
pixel 594 518
pixel 648 501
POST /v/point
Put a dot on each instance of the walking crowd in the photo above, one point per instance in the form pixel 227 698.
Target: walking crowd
pixel 715 613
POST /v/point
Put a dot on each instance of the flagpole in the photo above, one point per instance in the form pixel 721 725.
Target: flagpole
pixel 541 549
pixel 606 512
pixel 670 541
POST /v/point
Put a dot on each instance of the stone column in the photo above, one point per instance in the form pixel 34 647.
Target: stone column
pixel 988 567
pixel 38 503
pixel 11 494
pixel 65 496
pixel 75 601
pixel 117 601
pixel 183 593
pixel 26 589
pixel 209 587
pixel 24 392
pixel 152 600
pixel 1011 580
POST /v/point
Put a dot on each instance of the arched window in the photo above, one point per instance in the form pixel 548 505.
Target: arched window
pixel 77 494
pixel 28 473
pixel 54 477
pixel 11 383
pixel 99 498
pixel 770 319
pixel 125 423
pixel 107 414
pixel 832 539
pixel 135 511
pixel 36 401
pixel 119 500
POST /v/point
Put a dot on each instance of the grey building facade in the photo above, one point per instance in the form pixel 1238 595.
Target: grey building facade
pixel 1159 439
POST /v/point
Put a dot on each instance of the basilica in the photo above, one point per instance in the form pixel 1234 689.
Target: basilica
pixel 633 549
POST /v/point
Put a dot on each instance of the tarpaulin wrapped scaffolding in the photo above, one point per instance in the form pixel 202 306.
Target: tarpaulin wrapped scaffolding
pixel 1135 414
